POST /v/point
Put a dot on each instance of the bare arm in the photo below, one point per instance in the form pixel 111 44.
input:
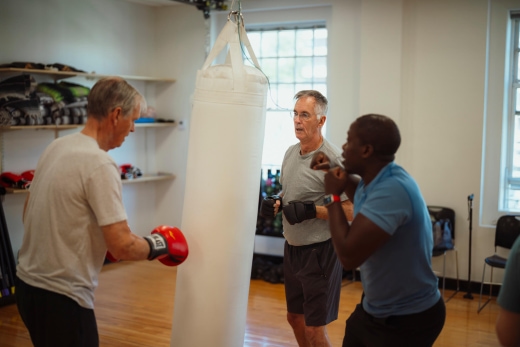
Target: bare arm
pixel 507 329
pixel 353 243
pixel 348 209
pixel 123 244
pixel 351 185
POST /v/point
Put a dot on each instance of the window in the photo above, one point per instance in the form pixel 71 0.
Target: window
pixel 510 199
pixel 293 59
pixel 500 175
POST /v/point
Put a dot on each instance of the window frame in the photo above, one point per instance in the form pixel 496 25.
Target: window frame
pixel 512 105
pixel 496 110
pixel 259 28
pixel 275 106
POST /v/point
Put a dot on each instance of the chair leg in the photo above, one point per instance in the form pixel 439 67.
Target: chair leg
pixel 457 271
pixel 444 275
pixel 491 284
pixel 481 289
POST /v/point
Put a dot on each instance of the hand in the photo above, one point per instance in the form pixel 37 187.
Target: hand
pixel 298 211
pixel 336 180
pixel 270 206
pixel 320 161
pixel 168 245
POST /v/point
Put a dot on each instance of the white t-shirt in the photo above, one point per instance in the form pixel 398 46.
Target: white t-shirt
pixel 76 189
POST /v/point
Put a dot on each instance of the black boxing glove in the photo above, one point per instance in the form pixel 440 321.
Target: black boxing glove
pixel 267 206
pixel 298 211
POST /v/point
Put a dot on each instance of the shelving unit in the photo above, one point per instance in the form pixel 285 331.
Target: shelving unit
pixel 160 176
pixel 58 75
pixel 76 126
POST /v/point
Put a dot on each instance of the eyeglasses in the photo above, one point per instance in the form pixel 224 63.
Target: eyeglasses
pixel 304 116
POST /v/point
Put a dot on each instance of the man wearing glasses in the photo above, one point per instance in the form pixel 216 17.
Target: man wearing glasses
pixel 312 272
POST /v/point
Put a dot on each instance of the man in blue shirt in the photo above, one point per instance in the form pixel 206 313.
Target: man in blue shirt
pixel 390 239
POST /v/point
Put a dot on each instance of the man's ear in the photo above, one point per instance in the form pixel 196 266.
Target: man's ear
pixel 322 120
pixel 115 115
pixel 367 151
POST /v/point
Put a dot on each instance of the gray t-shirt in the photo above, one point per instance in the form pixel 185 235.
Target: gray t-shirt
pixel 300 182
pixel 76 189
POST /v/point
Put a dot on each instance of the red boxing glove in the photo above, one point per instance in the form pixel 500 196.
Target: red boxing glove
pixel 110 258
pixel 12 180
pixel 168 245
pixel 28 175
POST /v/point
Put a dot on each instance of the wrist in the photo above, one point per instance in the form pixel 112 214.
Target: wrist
pixel 329 199
pixel 158 245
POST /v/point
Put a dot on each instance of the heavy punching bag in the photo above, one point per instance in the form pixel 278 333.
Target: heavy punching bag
pixel 221 196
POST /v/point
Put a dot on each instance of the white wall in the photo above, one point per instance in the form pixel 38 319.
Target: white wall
pixel 108 37
pixel 421 62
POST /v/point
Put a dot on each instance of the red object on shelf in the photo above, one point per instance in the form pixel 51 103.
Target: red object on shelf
pixel 12 180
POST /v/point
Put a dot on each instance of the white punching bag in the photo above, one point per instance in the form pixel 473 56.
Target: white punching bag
pixel 221 197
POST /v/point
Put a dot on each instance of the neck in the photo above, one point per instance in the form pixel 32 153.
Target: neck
pixel 307 147
pixel 373 171
pixel 94 128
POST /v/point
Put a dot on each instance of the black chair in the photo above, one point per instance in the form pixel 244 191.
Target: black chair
pixel 506 232
pixel 439 213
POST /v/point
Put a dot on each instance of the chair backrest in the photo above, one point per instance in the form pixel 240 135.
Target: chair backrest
pixel 440 212
pixel 507 230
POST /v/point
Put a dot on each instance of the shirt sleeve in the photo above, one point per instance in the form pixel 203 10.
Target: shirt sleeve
pixel 104 194
pixel 388 207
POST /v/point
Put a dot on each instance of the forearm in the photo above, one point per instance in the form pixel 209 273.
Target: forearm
pixel 135 248
pixel 339 229
pixel 123 244
pixel 348 209
pixel 352 183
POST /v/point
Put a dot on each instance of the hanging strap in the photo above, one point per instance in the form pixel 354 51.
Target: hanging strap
pixel 233 34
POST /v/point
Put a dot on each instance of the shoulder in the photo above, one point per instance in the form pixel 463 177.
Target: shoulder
pixel 292 150
pixel 330 147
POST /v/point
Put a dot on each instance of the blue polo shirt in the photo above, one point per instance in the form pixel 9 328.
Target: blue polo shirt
pixel 398 278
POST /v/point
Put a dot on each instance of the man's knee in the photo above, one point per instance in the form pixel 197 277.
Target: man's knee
pixel 316 335
pixel 295 319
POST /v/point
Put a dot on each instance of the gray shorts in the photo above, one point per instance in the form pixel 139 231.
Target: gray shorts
pixel 312 277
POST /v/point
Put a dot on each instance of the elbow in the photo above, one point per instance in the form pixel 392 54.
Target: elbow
pixel 348 263
pixel 346 258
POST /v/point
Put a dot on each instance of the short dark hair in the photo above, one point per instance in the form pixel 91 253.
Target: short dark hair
pixel 321 101
pixel 111 92
pixel 381 132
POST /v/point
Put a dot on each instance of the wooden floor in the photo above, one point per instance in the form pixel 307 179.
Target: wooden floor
pixel 134 308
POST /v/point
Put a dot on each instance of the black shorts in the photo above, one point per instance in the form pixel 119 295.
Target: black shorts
pixel 55 320
pixel 312 277
pixel 412 330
